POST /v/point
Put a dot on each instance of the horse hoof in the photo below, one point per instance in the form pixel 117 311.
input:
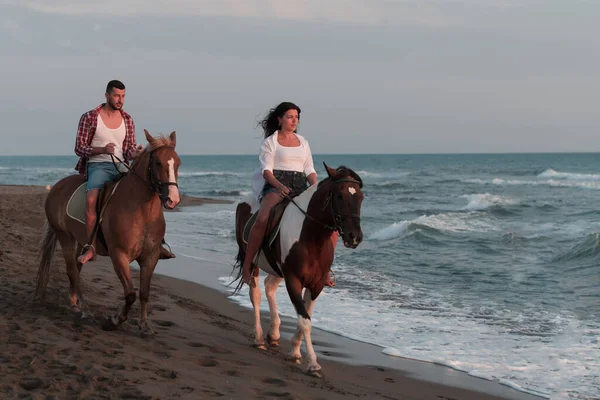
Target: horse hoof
pixel 146 333
pixel 272 342
pixel 109 323
pixel 315 372
pixel 86 315
pixel 294 359
pixel 260 346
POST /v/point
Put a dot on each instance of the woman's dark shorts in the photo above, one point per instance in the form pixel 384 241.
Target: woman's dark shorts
pixel 296 181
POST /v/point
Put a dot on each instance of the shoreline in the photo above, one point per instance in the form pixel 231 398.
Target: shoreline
pixel 197 333
pixel 334 346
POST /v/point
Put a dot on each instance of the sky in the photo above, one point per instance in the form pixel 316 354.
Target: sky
pixel 371 76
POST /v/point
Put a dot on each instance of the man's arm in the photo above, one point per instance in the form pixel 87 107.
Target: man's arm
pixel 82 149
pixel 84 134
pixel 129 146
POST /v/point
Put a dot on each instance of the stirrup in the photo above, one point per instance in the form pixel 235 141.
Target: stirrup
pixel 333 281
pixel 86 248
pixel 166 244
pixel 164 253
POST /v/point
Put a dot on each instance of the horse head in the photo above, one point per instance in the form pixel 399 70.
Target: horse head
pixel 163 165
pixel 345 199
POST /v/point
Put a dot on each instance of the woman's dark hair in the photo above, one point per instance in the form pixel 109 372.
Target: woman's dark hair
pixel 270 123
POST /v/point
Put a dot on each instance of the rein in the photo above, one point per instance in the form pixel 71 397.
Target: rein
pixel 336 216
pixel 153 184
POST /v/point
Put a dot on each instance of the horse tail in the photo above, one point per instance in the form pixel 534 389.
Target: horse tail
pixel 242 213
pixel 239 260
pixel 46 257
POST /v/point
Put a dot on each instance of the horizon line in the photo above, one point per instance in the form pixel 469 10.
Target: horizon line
pixel 341 154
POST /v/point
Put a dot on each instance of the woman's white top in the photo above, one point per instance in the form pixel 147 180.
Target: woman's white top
pixel 274 156
pixel 104 136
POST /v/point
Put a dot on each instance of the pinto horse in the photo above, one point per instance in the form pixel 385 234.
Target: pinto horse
pixel 132 226
pixel 304 253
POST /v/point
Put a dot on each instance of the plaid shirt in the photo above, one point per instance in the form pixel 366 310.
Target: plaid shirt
pixel 86 131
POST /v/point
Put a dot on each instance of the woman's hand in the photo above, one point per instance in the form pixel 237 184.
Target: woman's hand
pixel 283 190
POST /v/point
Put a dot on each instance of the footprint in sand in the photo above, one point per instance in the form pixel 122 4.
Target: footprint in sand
pixel 243 363
pixel 167 374
pixel 284 395
pixel 158 307
pixel 31 383
pixel 274 382
pixel 162 354
pixel 219 350
pixel 207 362
pixel 232 373
pixel 164 324
pixel 212 393
pixel 118 367
pixel 334 354
pixel 196 344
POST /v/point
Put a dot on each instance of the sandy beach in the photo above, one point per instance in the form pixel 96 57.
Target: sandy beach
pixel 202 348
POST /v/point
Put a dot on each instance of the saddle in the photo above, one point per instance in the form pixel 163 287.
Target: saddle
pixel 270 251
pixel 76 207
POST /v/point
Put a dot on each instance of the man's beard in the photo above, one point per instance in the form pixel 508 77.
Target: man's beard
pixel 114 106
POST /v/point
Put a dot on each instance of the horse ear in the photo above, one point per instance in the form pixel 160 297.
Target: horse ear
pixel 149 137
pixel 330 171
pixel 173 137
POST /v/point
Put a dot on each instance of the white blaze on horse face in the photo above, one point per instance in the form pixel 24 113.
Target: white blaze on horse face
pixel 352 190
pixel 173 190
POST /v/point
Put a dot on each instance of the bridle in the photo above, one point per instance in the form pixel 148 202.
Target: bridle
pixel 160 187
pixel 337 217
pixel 156 186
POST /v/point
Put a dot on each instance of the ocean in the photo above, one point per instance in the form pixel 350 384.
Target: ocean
pixel 487 263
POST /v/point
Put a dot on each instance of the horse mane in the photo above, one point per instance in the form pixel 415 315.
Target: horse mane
pixel 161 141
pixel 344 172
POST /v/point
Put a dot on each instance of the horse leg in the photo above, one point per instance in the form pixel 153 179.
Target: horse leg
pixel 305 326
pixel 146 270
pixel 70 248
pixel 295 354
pixel 271 285
pixel 120 263
pixel 259 342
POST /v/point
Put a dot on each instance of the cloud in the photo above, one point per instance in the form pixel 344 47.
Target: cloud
pixel 364 12
pixel 10 25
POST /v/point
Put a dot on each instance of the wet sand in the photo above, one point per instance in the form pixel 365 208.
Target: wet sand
pixel 202 348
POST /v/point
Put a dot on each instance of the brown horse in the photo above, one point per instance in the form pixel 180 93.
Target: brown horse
pixel 133 226
pixel 304 253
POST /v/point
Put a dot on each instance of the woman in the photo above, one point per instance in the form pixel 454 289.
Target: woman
pixel 287 168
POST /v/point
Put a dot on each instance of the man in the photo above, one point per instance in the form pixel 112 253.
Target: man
pixel 104 131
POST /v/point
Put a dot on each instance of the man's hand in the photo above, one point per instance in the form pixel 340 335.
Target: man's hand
pixel 109 148
pixel 138 150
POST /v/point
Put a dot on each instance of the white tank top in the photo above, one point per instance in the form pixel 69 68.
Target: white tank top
pixel 290 158
pixel 104 136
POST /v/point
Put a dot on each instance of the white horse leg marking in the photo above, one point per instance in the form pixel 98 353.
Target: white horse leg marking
pixel 295 354
pixel 297 338
pixel 173 191
pixel 305 325
pixel 255 299
pixel 271 284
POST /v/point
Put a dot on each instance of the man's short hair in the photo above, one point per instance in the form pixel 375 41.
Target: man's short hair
pixel 114 84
